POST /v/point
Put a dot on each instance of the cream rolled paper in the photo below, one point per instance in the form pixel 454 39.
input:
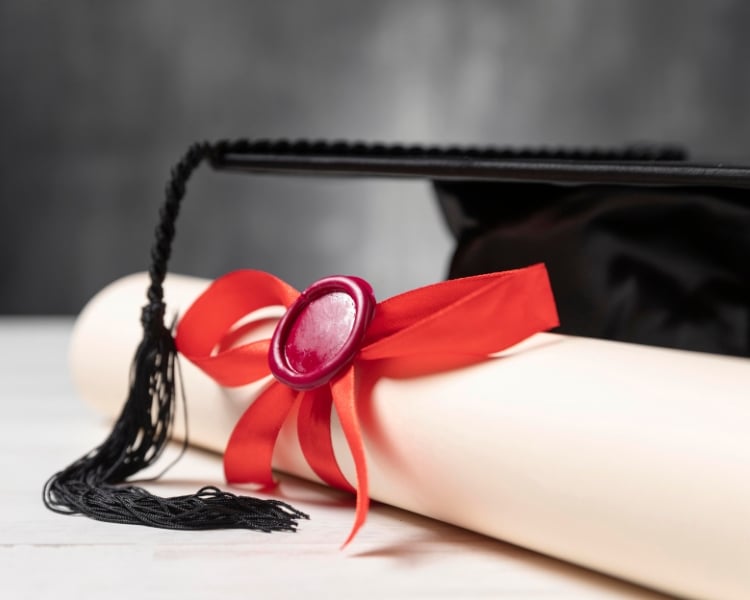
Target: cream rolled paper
pixel 626 459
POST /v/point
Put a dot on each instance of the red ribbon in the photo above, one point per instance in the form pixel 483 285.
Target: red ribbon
pixel 430 329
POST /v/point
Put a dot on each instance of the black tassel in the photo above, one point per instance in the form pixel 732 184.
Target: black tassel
pixel 93 485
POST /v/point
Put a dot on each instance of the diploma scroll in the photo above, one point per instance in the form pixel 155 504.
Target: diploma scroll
pixel 630 460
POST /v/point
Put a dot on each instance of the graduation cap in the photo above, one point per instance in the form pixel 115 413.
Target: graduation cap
pixel 507 208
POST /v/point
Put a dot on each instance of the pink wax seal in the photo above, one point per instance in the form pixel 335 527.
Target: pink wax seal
pixel 321 332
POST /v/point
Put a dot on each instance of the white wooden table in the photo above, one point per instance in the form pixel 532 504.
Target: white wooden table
pixel 397 555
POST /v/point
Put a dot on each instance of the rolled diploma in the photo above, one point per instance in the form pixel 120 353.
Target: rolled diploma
pixel 630 460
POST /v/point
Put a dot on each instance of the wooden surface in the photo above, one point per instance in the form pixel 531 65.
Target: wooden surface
pixel 397 554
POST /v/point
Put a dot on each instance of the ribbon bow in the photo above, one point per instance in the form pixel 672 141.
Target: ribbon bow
pixel 434 328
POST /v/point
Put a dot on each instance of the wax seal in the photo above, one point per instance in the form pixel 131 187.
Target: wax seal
pixel 321 332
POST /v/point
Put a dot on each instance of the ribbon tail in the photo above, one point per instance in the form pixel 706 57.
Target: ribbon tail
pixel 314 434
pixel 344 396
pixel 247 458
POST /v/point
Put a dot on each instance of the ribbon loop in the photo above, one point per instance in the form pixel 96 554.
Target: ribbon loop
pixel 314 433
pixel 474 316
pixel 247 458
pixel 226 301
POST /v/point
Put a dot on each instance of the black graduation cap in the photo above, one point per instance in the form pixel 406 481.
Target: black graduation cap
pixel 640 244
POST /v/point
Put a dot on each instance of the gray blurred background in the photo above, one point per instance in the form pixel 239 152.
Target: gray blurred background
pixel 99 99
